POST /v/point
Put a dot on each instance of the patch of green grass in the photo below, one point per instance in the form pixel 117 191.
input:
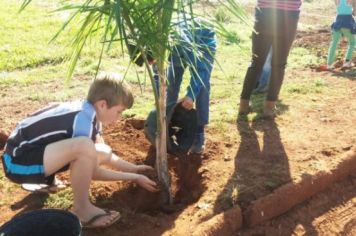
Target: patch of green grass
pixel 224 111
pixel 222 15
pixel 62 199
pixel 302 57
pixel 25 40
pixel 25 36
pixel 306 87
pixel 7 188
pixel 144 103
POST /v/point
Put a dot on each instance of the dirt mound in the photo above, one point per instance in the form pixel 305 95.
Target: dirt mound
pixel 127 139
pixel 289 195
pixel 318 41
pixel 331 212
pixel 144 212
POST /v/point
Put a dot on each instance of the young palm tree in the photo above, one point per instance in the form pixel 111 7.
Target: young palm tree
pixel 148 24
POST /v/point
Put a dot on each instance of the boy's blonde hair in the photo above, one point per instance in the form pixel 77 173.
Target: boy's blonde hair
pixel 112 89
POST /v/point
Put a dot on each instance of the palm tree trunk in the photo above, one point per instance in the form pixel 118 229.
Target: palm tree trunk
pixel 161 138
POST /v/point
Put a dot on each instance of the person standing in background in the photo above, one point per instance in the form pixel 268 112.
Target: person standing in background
pixel 344 25
pixel 275 26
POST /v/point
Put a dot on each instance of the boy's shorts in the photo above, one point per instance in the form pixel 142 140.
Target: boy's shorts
pixel 28 167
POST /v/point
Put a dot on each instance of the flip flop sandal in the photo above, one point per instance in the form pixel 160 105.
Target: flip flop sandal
pixel 89 224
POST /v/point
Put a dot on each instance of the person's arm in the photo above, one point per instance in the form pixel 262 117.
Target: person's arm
pixel 112 175
pixel 126 166
pixel 107 157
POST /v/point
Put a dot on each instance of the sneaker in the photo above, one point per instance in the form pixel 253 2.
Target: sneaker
pixel 347 64
pixel 198 144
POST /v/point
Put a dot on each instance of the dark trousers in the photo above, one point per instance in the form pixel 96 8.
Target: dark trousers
pixel 276 28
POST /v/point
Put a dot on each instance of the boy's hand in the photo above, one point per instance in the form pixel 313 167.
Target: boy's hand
pixel 143 168
pixel 187 103
pixel 146 183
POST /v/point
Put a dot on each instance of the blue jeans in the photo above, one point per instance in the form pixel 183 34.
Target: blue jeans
pixel 200 71
pixel 196 50
pixel 263 81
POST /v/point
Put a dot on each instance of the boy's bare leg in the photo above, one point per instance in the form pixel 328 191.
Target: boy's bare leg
pixel 80 153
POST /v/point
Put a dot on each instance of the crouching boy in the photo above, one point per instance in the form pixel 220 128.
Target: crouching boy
pixel 68 136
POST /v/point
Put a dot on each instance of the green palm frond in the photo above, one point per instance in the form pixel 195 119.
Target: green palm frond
pixel 24 4
pixel 145 23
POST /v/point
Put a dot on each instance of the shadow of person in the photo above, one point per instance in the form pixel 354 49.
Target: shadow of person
pixel 272 162
pixel 32 201
pixel 257 103
pixel 261 165
pixel 236 188
pixel 347 73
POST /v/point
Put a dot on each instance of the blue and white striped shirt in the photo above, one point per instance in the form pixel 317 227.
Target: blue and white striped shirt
pixel 52 124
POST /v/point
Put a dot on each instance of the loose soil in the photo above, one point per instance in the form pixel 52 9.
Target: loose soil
pixel 258 157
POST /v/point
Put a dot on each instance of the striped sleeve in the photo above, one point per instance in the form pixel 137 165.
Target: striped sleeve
pixel 83 125
pixel 288 5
